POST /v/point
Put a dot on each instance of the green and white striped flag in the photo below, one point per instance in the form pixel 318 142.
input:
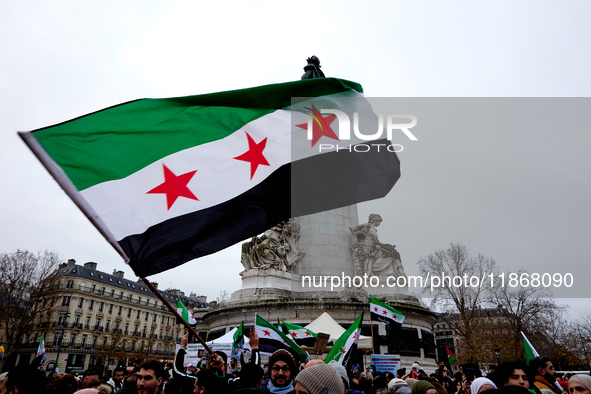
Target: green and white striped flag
pixel 530 352
pixel 184 312
pixel 271 339
pixel 301 335
pixel 169 180
pixel 239 337
pixel 385 313
pixel 343 349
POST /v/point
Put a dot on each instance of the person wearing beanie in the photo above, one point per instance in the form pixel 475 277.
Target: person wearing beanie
pixel 319 379
pixel 282 367
pixel 414 371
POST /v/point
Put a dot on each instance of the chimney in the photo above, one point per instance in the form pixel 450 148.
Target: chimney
pixel 155 284
pixel 118 274
pixel 71 262
pixel 90 265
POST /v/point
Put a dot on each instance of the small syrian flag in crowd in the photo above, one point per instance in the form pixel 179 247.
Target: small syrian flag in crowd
pixel 41 349
pixel 343 349
pixel 185 314
pixel 385 313
pixel 239 337
pixel 271 339
pixel 450 356
pixel 530 352
pixel 169 180
pixel 301 335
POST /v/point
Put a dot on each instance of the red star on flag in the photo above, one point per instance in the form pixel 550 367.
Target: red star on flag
pixel 254 154
pixel 308 334
pixel 294 334
pixel 267 333
pixel 375 308
pixel 355 335
pixel 344 351
pixel 174 186
pixel 385 312
pixel 320 126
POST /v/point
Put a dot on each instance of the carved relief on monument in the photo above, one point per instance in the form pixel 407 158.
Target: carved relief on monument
pixel 370 256
pixel 278 248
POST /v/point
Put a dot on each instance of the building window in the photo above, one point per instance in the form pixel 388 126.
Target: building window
pixel 72 339
pixel 101 306
pixel 154 319
pixel 120 309
pixel 107 325
pixel 103 291
pixel 121 296
pixel 111 308
pixel 57 340
pixel 80 302
pixel 162 319
pixel 94 339
pixel 70 284
pixel 128 312
pixel 168 320
pixel 112 293
pixel 90 304
pixel 77 320
pixel 126 328
pixel 139 300
pixel 138 314
pixel 93 288
pixel 62 319
pixel 87 325
pixel 136 330
pixel 84 337
pixel 82 286
pixel 66 301
pixel 146 319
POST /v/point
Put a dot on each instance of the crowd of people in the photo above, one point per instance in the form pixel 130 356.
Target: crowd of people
pixel 283 374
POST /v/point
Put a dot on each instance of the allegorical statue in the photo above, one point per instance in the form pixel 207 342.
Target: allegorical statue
pixel 278 248
pixel 313 69
pixel 370 256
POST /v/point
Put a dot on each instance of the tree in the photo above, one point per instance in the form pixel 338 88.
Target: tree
pixel 23 304
pixel 461 305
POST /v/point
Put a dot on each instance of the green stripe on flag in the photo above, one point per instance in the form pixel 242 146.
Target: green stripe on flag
pixel 302 354
pixel 530 352
pixel 345 342
pixel 118 141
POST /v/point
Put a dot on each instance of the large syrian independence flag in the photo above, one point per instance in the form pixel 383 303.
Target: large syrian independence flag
pixel 301 335
pixel 271 339
pixel 343 349
pixel 385 313
pixel 170 180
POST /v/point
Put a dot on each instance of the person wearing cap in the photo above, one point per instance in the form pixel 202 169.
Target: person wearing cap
pixel 319 379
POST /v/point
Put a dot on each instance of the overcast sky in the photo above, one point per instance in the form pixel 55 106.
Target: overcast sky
pixel 62 59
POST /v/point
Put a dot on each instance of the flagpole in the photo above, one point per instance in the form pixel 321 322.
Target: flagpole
pixel 174 311
pixel 371 326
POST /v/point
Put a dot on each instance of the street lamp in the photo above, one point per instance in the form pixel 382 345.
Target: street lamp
pixel 498 354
